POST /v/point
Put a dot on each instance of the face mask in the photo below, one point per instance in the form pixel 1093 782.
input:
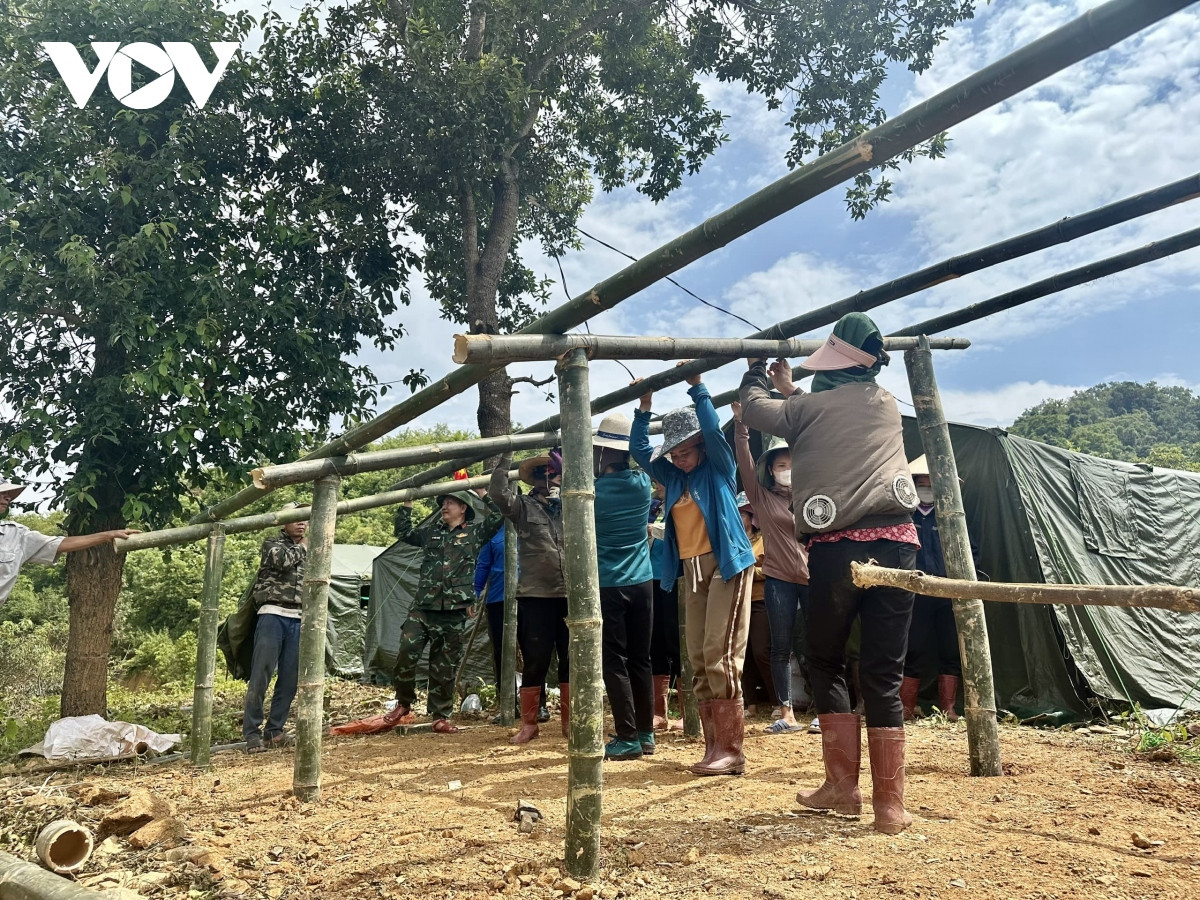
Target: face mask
pixel 925 495
pixel 784 478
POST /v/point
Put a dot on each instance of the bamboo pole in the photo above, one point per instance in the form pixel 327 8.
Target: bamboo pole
pixel 510 348
pixel 585 744
pixel 508 648
pixel 310 685
pixel 983 737
pixel 1124 596
pixel 20 880
pixel 1078 39
pixel 206 648
pixel 1062 231
pixel 185 534
pixel 689 708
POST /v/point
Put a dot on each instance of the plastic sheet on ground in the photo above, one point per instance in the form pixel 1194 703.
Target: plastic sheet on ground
pixel 369 725
pixel 92 737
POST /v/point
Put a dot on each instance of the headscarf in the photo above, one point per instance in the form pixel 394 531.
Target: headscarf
pixel 858 329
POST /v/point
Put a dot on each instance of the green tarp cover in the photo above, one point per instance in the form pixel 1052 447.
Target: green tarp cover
pixel 1043 514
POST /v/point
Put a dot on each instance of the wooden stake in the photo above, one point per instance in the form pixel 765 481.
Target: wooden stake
pixel 1125 596
pixel 206 648
pixel 983 738
pixel 310 684
pixel 689 708
pixel 585 745
pixel 506 691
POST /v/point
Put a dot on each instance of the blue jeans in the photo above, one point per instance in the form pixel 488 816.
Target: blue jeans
pixel 276 647
pixel 782 599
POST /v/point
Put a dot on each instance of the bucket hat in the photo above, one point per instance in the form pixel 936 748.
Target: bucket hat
pixel 678 426
pixel 613 432
pixel 765 459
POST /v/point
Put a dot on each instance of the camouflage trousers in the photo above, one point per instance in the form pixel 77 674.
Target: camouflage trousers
pixel 442 631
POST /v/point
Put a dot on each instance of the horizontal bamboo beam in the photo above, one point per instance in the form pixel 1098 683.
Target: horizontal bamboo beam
pixel 508 348
pixel 167 537
pixel 1151 596
pixel 1090 33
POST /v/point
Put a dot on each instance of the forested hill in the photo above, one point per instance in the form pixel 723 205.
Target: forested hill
pixel 1145 423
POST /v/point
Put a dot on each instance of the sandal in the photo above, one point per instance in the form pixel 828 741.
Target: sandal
pixel 779 726
pixel 444 726
pixel 399 715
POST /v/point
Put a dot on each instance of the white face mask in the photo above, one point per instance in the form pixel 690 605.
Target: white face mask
pixel 925 495
pixel 783 478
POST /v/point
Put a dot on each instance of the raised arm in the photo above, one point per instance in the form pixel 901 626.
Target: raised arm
pixel 745 462
pixel 500 490
pixel 716 448
pixel 759 409
pixel 405 530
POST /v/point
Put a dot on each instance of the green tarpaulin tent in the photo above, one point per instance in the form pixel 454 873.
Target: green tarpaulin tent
pixel 1043 514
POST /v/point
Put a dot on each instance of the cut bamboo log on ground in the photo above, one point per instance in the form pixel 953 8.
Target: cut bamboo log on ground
pixel 20 880
pixel 1078 39
pixel 585 743
pixel 688 706
pixel 979 693
pixel 314 608
pixel 506 692
pixel 510 348
pixel 1123 596
pixel 206 648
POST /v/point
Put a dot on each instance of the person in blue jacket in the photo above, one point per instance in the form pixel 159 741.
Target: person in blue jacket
pixel 704 536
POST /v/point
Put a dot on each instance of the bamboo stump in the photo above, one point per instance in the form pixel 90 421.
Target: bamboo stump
pixel 206 648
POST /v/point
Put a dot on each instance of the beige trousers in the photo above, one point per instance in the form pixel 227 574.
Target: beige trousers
pixel 718 625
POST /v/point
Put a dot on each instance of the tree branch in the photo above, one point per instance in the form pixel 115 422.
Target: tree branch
pixel 473 49
pixel 529 379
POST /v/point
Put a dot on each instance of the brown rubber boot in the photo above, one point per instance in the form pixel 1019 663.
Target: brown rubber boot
pixel 909 688
pixel 529 710
pixel 564 707
pixel 887 779
pixel 948 696
pixel 841 753
pixel 728 724
pixel 662 689
pixel 706 725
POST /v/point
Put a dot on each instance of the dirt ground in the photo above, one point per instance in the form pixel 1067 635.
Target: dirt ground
pixel 1065 821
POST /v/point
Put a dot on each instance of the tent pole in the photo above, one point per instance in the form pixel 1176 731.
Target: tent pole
pixel 310 686
pixel 585 743
pixel 206 648
pixel 983 738
pixel 505 690
pixel 689 709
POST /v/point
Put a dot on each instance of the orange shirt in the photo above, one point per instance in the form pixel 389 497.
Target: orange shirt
pixel 691 533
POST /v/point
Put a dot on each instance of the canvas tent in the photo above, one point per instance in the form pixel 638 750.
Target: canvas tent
pixel 1043 514
pixel 345 630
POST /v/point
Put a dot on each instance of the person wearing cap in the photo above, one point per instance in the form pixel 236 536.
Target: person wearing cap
pixel 626 588
pixel 768 487
pixel 853 499
pixel 933 617
pixel 704 536
pixel 443 602
pixel 20 545
pixel 756 674
pixel 276 595
pixel 541 580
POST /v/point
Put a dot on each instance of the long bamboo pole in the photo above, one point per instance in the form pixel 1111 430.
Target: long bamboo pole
pixel 506 690
pixel 206 648
pixel 1062 231
pixel 20 880
pixel 509 348
pixel 585 744
pixel 983 737
pixel 1125 596
pixel 689 707
pixel 310 684
pixel 1090 33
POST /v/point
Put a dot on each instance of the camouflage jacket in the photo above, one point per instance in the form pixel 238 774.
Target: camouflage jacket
pixel 280 572
pixel 448 564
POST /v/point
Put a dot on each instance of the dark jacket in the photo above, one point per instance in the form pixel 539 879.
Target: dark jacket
pixel 280 573
pixel 448 563
pixel 541 559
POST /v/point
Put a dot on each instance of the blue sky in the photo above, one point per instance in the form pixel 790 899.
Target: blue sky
pixel 1125 121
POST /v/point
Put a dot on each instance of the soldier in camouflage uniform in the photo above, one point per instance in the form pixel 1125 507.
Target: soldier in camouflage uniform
pixel 276 594
pixel 443 603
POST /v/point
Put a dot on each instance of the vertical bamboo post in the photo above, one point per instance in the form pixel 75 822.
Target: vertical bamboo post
pixel 508 647
pixel 983 739
pixel 585 744
pixel 206 647
pixel 314 609
pixel 688 707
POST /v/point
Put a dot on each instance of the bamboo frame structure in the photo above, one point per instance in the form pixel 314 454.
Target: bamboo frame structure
pixel 310 683
pixel 1078 39
pixel 1062 231
pixel 508 648
pixel 1125 596
pixel 206 649
pixel 983 737
pixel 585 743
pixel 508 348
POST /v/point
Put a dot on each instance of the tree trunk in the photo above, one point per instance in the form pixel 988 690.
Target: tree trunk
pixel 93 583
